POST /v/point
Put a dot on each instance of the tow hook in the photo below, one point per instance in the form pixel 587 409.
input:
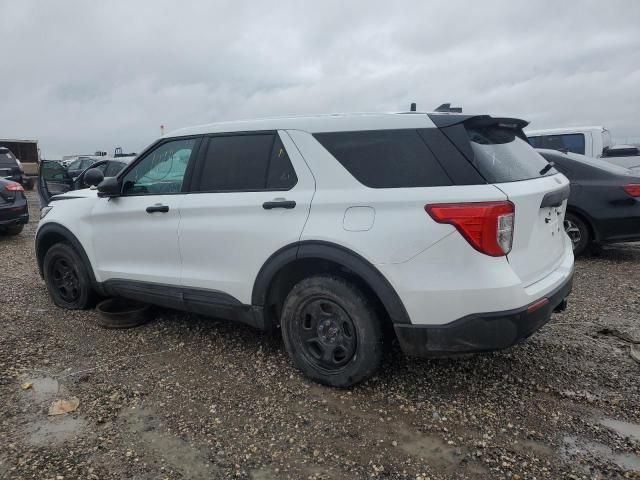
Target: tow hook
pixel 561 307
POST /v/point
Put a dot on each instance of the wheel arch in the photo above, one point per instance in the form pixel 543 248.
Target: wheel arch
pixel 50 234
pixel 584 216
pixel 296 261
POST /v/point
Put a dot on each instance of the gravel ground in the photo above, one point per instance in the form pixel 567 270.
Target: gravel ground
pixel 188 397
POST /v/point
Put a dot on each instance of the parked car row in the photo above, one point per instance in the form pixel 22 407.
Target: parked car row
pixel 604 204
pixel 56 179
pixel 14 212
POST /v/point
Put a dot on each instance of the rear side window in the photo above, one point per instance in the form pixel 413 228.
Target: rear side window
pixel 573 142
pixel 501 156
pixel 239 163
pixel 386 158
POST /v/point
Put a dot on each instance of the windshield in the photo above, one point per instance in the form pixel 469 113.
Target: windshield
pixel 501 156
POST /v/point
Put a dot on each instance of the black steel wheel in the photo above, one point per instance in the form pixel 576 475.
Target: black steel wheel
pixel 67 278
pixel 326 333
pixel 331 331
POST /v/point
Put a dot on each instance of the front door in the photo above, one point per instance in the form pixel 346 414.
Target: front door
pixel 135 235
pixel 53 180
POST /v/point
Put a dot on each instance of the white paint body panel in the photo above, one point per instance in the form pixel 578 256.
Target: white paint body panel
pixel 225 238
pixel 220 241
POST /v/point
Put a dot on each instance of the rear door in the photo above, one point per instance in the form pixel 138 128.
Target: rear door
pixel 252 197
pixel 537 190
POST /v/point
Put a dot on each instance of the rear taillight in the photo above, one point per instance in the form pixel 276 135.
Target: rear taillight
pixel 487 226
pixel 13 187
pixel 633 189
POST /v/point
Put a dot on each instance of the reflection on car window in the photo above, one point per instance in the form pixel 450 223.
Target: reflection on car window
pixel 161 171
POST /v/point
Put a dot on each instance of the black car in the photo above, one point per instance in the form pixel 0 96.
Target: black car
pixel 10 167
pixel 55 179
pixel 14 212
pixel 78 166
pixel 604 204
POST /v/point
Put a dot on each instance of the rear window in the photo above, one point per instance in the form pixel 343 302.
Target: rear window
pixel 501 156
pixel 571 142
pixel 7 160
pixel 386 158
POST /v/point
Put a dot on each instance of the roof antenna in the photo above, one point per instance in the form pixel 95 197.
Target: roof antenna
pixel 413 107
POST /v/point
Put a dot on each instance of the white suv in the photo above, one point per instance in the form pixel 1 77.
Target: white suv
pixel 346 231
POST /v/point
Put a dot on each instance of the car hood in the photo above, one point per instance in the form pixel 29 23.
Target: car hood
pixel 84 193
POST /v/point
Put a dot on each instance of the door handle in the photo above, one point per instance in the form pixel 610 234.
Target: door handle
pixel 288 204
pixel 158 208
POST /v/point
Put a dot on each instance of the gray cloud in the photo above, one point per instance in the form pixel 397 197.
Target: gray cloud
pixel 82 76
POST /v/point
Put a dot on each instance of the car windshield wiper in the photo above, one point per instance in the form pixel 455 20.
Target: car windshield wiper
pixel 546 168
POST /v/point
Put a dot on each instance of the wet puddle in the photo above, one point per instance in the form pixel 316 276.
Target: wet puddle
pixel 41 429
pixel 626 461
pixel 42 389
pixel 54 430
pixel 430 449
pixel 180 454
pixel 624 429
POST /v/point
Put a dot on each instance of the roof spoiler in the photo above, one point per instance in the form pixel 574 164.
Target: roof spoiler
pixel 443 120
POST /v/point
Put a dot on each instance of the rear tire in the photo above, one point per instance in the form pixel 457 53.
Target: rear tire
pixel 14 230
pixel 331 331
pixel 67 278
pixel 579 233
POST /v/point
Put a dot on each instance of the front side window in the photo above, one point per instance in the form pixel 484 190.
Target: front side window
pixel 241 163
pixel 161 171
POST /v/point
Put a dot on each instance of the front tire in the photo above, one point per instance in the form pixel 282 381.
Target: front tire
pixel 67 278
pixel 331 331
pixel 578 231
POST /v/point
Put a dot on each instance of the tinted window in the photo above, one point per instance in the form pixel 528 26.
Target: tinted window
pixel 246 163
pixel 281 175
pixel 536 142
pixel 7 159
pixel 161 171
pixel 113 168
pixel 75 165
pixel 573 142
pixel 501 156
pixel 385 158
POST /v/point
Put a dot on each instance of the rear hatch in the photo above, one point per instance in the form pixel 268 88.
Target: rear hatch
pixel 8 164
pixel 498 150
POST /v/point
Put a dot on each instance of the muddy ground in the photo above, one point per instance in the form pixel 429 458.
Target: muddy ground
pixel 187 397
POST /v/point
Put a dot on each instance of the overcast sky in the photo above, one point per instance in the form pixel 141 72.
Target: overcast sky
pixel 86 75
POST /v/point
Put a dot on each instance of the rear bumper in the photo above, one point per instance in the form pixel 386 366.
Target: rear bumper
pixel 14 216
pixel 482 332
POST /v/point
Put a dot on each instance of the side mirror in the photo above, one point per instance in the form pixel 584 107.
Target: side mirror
pixel 93 177
pixel 109 187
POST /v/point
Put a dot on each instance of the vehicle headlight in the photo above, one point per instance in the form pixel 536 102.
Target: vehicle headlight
pixel 44 211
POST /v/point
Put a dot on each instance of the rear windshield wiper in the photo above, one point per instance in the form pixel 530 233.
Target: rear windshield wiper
pixel 546 168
